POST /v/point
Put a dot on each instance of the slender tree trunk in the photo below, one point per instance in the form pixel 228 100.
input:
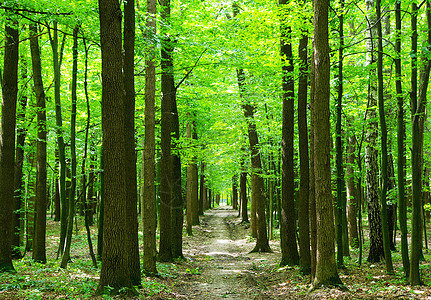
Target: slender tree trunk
pixel 202 190
pixel 341 184
pixel 195 183
pixel 289 249
pixel 189 184
pixel 352 193
pixel 326 267
pixel 243 194
pixel 19 161
pixel 371 154
pixel 418 100
pixel 149 219
pixel 7 144
pixel 235 192
pixel 39 249
pixel 129 129
pixel 71 211
pixel 402 207
pixel 384 144
pixel 312 192
pixel 304 187
pixel 60 139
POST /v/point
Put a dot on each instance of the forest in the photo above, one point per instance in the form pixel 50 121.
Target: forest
pixel 243 149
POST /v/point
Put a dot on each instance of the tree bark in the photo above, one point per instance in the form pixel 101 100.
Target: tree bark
pixel 7 144
pixel 149 220
pixel 129 129
pixel 39 249
pixel 326 267
pixel 371 154
pixel 289 250
pixel 115 271
pixel 402 207
pixel 352 193
pixel 304 184
pixel 19 161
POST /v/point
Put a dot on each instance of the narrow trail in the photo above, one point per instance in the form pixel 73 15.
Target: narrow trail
pixel 220 249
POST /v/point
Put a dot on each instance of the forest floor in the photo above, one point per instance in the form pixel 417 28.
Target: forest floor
pixel 217 265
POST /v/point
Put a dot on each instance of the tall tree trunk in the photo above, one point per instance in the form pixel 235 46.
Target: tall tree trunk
pixel 39 249
pixel 202 190
pixel 189 189
pixel 304 185
pixel 312 192
pixel 115 271
pixel 289 249
pixel 166 164
pixel 402 206
pixel 195 182
pixel 71 206
pixel 352 193
pixel 235 192
pixel 129 129
pixel 384 143
pixel 7 143
pixel 19 161
pixel 177 194
pixel 341 184
pixel 243 193
pixel 149 220
pixel 60 140
pixel 326 267
pixel 418 101
pixel 371 154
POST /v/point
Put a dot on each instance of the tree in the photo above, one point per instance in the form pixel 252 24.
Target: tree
pixel 418 104
pixel 129 129
pixel 326 267
pixel 289 248
pixel 57 58
pixel 304 184
pixel 39 249
pixel 7 143
pixel 115 271
pixel 384 143
pixel 148 202
pixel 166 164
pixel 371 153
pixel 402 207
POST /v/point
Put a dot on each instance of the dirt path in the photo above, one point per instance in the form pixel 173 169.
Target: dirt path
pixel 220 249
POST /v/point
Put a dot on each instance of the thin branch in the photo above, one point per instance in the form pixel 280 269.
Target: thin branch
pixel 190 71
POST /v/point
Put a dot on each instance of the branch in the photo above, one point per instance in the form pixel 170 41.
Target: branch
pixel 35 11
pixel 190 71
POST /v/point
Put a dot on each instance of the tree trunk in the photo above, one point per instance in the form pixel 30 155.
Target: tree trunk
pixel 19 161
pixel 132 247
pixel 202 190
pixel 352 193
pixel 371 154
pixel 189 189
pixel 60 140
pixel 149 219
pixel 418 118
pixel 289 250
pixel 195 182
pixel 71 211
pixel 326 267
pixel 402 207
pixel 7 145
pixel 39 249
pixel 115 271
pixel 383 143
pixel 235 192
pixel 304 184
pixel 243 193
